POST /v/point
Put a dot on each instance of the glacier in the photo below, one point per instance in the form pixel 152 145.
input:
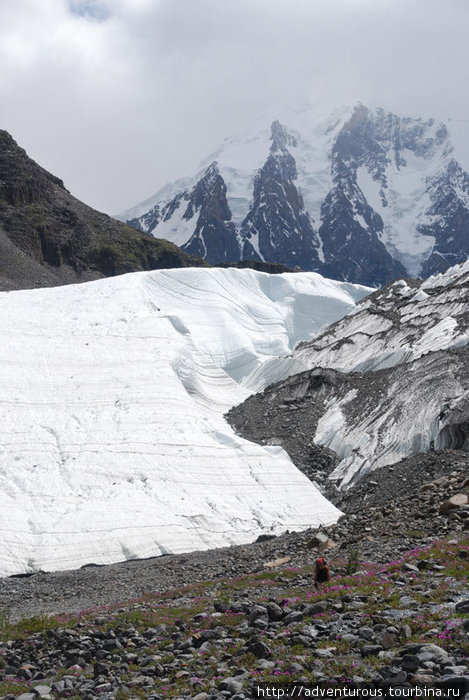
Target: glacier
pixel 113 443
pixel 408 344
pixel 387 381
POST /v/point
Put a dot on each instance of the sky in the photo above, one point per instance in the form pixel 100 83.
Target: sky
pixel 119 97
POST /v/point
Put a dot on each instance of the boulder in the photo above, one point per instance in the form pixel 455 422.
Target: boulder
pixel 294 616
pixel 259 649
pixel 463 606
pixel 457 501
pixel 388 640
pixel 411 568
pixel 315 608
pixel 422 679
pixel 232 685
pixel 258 611
pixel 276 562
pixel 410 662
pixel 320 541
pixel 274 611
pixel 432 652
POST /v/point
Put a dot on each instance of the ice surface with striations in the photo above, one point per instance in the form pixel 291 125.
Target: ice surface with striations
pixel 113 443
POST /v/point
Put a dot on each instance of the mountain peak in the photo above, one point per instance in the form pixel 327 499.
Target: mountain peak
pixel 280 137
pixel 211 177
pixel 355 193
pixel 212 170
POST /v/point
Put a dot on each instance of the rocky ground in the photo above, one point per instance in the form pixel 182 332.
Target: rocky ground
pixel 401 624
pixel 218 622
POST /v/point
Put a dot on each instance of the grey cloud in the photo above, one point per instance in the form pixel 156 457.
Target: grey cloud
pixel 119 106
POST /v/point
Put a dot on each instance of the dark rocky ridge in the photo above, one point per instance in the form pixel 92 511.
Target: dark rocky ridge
pixel 451 244
pixel 259 265
pixel 277 219
pixel 47 237
pixel 353 251
pixel 214 237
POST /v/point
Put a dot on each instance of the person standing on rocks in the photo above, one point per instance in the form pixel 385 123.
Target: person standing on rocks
pixel 321 573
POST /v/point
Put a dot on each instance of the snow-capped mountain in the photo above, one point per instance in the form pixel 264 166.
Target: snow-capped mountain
pixel 113 443
pixel 387 381
pixel 357 194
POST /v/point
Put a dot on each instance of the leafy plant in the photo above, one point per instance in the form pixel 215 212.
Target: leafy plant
pixel 352 561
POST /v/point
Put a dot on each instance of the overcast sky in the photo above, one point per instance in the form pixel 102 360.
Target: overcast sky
pixel 117 97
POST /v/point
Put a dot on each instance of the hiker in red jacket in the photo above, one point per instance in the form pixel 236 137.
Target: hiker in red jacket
pixel 321 573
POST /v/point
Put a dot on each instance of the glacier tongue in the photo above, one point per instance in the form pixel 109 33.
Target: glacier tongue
pixel 113 442
pixel 406 349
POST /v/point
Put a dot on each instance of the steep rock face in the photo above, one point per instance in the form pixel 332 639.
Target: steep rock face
pixel 21 180
pixel 405 169
pixel 277 228
pixel 203 214
pixel 360 195
pixel 350 229
pixel 47 237
pixel 449 213
pixel 214 238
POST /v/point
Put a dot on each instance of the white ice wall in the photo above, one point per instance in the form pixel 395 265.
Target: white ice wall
pixel 112 438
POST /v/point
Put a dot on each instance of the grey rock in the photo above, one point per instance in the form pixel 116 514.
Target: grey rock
pixel 320 540
pixel 274 611
pixel 258 611
pixel 371 649
pixel 396 677
pixel 366 633
pixel 259 649
pixel 410 662
pixel 433 653
pixel 295 616
pixel 463 606
pixel 410 567
pixel 315 608
pixel 232 685
pixel 453 503
pixel 323 653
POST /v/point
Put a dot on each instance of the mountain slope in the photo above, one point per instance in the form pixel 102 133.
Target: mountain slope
pixel 47 237
pixel 113 443
pixel 277 227
pixel 387 381
pixel 357 194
